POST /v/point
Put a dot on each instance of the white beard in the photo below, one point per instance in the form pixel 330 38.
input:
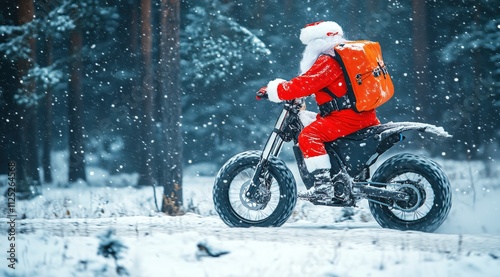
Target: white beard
pixel 317 47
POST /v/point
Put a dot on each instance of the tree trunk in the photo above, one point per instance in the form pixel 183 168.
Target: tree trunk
pixel 75 109
pixel 134 142
pixel 28 178
pixel 47 131
pixel 146 120
pixel 422 95
pixel 171 107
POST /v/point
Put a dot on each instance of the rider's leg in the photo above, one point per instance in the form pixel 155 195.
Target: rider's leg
pixel 311 142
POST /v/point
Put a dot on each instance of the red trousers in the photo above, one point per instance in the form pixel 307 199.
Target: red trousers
pixel 329 128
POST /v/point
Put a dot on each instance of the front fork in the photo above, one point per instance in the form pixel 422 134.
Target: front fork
pixel 272 148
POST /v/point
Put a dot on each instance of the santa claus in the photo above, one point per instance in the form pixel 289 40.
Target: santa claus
pixel 322 76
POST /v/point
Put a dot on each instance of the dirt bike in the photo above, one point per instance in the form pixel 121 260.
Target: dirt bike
pixel 406 192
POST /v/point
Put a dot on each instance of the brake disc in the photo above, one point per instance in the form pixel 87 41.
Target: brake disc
pixel 259 202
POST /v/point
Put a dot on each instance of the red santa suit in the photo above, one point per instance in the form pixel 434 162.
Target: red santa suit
pixel 320 70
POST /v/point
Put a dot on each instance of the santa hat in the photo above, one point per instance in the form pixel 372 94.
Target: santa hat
pixel 320 29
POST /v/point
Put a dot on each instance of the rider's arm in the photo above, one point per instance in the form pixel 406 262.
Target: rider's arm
pixel 323 72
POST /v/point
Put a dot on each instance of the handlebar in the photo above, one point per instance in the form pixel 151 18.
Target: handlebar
pixel 262 94
pixel 297 103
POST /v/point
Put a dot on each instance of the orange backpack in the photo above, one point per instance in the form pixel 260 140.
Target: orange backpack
pixel 369 84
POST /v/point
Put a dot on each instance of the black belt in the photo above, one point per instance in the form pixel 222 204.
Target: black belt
pixel 336 104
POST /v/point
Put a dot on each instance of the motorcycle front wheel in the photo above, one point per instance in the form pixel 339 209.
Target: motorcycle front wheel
pixel 232 182
pixel 428 188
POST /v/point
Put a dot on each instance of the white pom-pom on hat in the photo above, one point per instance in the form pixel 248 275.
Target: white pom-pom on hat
pixel 320 29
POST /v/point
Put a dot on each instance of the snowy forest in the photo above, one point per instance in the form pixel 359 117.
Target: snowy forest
pixel 103 81
pixel 123 108
pixel 141 86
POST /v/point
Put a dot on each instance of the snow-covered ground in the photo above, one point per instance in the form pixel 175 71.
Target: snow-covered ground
pixel 65 228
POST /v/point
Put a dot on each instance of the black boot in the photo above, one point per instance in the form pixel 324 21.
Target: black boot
pixel 323 186
pixel 326 187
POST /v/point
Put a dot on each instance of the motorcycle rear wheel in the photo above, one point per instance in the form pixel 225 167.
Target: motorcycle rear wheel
pixel 428 187
pixel 233 180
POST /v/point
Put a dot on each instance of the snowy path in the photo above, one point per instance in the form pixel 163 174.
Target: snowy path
pixel 167 246
pixel 367 235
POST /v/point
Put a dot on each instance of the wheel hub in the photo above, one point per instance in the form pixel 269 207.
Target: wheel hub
pixel 416 198
pixel 256 203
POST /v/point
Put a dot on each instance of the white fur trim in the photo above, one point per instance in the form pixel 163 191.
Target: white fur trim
pixel 318 162
pixel 272 90
pixel 307 117
pixel 309 33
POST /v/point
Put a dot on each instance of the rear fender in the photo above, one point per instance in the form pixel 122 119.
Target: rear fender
pixel 391 128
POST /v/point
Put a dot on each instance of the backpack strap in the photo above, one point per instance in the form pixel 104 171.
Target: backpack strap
pixel 329 92
pixel 336 104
